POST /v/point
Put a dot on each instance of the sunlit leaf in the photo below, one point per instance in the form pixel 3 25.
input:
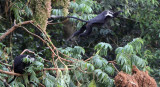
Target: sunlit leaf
pixel 92 84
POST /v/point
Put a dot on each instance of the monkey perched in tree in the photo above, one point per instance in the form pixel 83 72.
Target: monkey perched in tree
pixel 19 65
pixel 86 29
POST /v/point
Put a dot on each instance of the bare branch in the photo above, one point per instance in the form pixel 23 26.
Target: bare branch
pixel 13 28
pixel 10 73
pixel 27 51
pixel 5 64
pixel 45 69
pixel 89 59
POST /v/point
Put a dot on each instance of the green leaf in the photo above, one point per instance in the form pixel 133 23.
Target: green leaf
pixel 128 49
pixel 109 69
pixel 89 67
pixel 97 61
pixel 49 80
pixel 78 50
pixel 103 77
pixel 102 48
pixel 92 84
pixel 126 68
pixel 33 78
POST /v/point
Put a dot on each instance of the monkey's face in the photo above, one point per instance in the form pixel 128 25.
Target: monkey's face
pixel 32 59
pixel 112 14
pixel 109 14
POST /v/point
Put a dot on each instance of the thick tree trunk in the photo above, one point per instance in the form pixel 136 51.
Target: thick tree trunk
pixel 42 11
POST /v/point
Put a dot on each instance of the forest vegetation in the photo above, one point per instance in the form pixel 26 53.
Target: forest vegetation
pixel 123 52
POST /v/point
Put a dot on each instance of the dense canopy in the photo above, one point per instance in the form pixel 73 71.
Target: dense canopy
pixel 125 47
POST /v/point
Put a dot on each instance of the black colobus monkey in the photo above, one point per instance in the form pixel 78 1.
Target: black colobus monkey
pixel 19 65
pixel 98 20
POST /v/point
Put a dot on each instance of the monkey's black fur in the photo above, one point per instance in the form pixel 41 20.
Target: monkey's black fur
pixel 19 65
pixel 98 20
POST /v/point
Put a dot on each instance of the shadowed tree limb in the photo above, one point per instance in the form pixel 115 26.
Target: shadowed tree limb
pixel 13 28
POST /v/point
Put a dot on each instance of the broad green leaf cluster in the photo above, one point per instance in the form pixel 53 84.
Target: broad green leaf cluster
pixel 127 56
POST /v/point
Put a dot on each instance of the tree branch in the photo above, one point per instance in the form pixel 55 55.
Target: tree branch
pixel 10 73
pixel 45 69
pixel 13 28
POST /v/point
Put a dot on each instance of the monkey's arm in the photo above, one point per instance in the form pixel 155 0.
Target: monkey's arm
pixel 117 13
pixel 12 80
pixel 81 30
pixel 54 17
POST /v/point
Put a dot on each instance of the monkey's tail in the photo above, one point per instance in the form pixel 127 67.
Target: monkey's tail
pixel 77 18
pixel 52 16
pixel 12 80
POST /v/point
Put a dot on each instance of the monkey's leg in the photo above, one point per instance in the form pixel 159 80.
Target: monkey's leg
pixel 83 28
pixel 87 32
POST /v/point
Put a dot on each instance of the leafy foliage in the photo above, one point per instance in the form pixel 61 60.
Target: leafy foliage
pixel 127 55
pixel 83 7
pixel 73 52
pixel 116 40
pixel 92 84
pixel 102 48
pixel 20 9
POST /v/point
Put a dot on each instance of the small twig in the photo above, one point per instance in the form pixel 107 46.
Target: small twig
pixel 33 34
pixel 114 62
pixel 5 64
pixel 67 60
pixel 40 39
pixel 59 58
pixel 54 61
pixel 47 60
pixel 77 81
pixel 27 51
pixel 41 85
pixel 84 71
pixel 89 59
pixel 115 68
pixel 68 56
pixel 113 41
pixel 37 27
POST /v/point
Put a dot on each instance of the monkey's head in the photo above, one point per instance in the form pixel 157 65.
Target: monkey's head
pixel 112 14
pixel 109 14
pixel 21 61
